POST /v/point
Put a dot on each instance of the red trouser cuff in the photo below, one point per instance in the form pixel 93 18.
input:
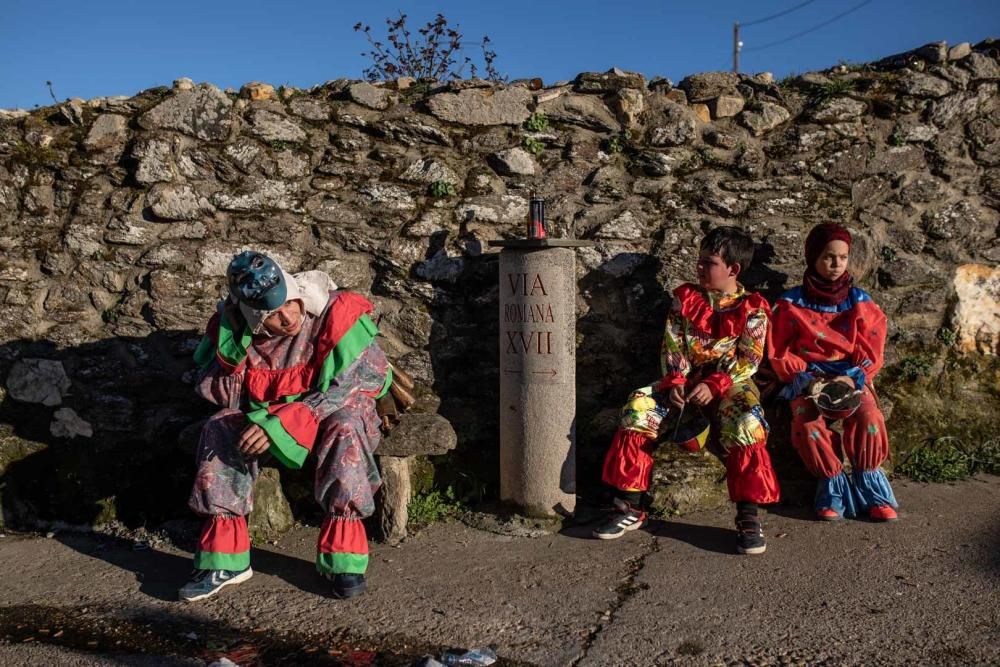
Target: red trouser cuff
pixel 342 546
pixel 628 465
pixel 224 534
pixel 750 475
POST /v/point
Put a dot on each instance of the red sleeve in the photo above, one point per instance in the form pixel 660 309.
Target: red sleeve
pixel 869 348
pixel 781 338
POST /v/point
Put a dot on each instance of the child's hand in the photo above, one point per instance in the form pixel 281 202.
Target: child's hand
pixel 700 395
pixel 676 396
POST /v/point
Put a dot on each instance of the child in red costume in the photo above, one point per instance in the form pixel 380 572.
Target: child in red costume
pixel 712 346
pixel 828 330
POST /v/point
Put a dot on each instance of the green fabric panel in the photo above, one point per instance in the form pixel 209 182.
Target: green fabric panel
pixel 203 355
pixel 341 563
pixel 257 405
pixel 230 348
pixel 385 385
pixel 284 447
pixel 347 349
pixel 212 560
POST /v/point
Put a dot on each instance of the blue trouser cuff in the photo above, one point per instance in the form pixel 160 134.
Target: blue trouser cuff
pixel 872 489
pixel 836 493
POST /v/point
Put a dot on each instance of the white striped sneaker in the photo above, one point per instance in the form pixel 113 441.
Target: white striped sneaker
pixel 623 519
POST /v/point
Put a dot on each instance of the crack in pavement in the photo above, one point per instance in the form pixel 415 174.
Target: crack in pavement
pixel 623 593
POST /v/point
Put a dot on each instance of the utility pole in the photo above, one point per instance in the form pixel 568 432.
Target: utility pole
pixel 736 47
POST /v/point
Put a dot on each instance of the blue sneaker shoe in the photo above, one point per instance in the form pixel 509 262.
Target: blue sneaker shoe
pixel 207 583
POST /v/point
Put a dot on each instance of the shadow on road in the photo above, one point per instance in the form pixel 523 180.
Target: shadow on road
pixel 160 574
pixel 707 538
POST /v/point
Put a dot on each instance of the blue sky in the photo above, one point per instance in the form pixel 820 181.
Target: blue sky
pixel 119 47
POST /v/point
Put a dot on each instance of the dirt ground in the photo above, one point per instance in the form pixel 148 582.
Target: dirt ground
pixel 924 590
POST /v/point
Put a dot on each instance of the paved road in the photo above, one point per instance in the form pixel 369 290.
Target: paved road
pixel 924 590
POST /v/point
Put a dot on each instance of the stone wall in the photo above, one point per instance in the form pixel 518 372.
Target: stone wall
pixel 118 215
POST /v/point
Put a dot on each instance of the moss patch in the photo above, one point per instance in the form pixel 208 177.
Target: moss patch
pixel 946 412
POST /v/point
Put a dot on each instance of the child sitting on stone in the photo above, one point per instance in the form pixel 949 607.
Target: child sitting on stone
pixel 712 346
pixel 827 331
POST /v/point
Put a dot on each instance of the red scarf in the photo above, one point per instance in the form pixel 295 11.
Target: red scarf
pixel 817 288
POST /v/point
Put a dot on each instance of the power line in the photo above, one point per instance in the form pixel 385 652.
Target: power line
pixel 812 29
pixel 778 15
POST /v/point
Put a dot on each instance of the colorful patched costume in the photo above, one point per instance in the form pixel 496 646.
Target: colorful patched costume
pixel 825 329
pixel 717 340
pixel 310 392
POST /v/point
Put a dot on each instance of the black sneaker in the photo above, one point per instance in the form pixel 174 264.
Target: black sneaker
pixel 749 535
pixel 348 585
pixel 623 519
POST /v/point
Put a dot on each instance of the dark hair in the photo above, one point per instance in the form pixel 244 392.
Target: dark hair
pixel 732 244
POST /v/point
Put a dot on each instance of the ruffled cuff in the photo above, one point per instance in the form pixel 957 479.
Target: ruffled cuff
pixel 291 428
pixel 669 381
pixel 718 383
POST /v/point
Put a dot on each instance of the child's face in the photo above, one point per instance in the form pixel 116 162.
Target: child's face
pixel 285 321
pixel 714 273
pixel 832 262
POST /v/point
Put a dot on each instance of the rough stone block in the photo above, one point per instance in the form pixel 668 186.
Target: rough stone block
pixel 419 434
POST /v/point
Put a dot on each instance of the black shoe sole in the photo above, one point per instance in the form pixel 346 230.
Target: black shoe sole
pixel 354 591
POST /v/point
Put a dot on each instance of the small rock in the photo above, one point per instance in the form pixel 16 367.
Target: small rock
pixel 709 85
pixel 68 424
pixel 418 435
pixel 391 197
pixel 587 111
pixel 482 106
pixel 764 117
pixel 611 81
pixel 702 112
pixel 976 317
pixel 628 105
pixel 981 66
pixel 38 381
pixel 936 52
pixel 310 109
pixel 839 110
pixel 108 131
pixel 674 126
pixel 257 91
pixel 180 202
pixel 183 83
pixel 959 51
pixel 924 85
pixel 271 126
pixel 428 170
pixel 72 111
pixel 625 227
pixel 726 106
pixel 370 96
pixel 202 112
pixel 723 140
pixel 513 162
pixel 678 96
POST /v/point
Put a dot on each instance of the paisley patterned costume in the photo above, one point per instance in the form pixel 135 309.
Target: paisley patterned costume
pixel 313 392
